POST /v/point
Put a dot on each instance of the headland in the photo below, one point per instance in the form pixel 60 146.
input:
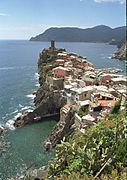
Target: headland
pixel 71 88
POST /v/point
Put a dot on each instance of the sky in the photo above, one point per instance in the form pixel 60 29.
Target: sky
pixel 23 19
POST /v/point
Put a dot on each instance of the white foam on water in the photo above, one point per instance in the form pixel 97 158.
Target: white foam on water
pixel 14 111
pixel 1 126
pixel 109 57
pixel 37 85
pixel 20 105
pixel 25 108
pixel 17 115
pixel 30 110
pixel 32 96
pixel 10 124
pixel 37 76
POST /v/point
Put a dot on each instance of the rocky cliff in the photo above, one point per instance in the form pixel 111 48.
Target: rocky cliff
pixel 47 101
pixel 62 129
pixel 1 131
pixel 121 52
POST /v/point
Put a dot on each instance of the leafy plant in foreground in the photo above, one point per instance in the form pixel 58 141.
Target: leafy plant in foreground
pixel 87 153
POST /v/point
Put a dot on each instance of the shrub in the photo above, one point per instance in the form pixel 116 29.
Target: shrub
pixel 87 153
pixel 61 50
pixel 50 73
pixel 116 107
pixel 83 111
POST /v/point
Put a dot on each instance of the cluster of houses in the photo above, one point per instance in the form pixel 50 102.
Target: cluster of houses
pixel 77 80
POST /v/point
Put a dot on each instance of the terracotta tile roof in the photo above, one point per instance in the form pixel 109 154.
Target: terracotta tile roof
pixel 106 102
pixel 93 104
pixel 103 103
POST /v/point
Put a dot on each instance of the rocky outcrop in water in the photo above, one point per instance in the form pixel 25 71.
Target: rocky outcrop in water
pixel 121 52
pixel 1 131
pixel 47 102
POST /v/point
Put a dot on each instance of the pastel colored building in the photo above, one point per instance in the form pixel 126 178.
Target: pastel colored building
pixel 104 78
pixel 62 56
pixel 60 72
pixel 89 81
pixel 120 80
pixel 102 104
pixel 60 62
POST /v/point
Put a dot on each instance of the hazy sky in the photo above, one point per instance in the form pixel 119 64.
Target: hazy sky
pixel 21 19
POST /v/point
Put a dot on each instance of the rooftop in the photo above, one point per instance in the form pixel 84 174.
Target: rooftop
pixel 62 68
pixel 107 103
pixel 84 103
pixel 88 88
pixel 122 91
pixel 89 79
pixel 111 89
pixel 60 60
pixel 80 90
pixel 68 86
pixel 119 79
pixel 61 54
pixel 101 88
pixel 73 57
pixel 106 94
pixel 88 117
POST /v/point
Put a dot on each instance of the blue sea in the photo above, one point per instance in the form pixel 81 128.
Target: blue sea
pixel 18 80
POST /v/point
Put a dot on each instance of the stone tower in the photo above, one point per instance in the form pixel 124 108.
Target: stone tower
pixel 52 44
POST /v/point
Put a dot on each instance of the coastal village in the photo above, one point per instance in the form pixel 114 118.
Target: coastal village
pixel 90 92
pixel 71 87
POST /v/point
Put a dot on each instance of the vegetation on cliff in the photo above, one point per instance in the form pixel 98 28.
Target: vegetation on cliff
pixel 83 111
pixel 46 62
pixel 87 153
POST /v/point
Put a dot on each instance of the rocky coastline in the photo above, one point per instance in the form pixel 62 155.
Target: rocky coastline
pixel 1 131
pixel 48 103
pixel 121 52
pixel 62 129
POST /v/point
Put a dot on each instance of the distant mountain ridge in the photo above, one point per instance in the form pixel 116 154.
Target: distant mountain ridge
pixel 99 33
